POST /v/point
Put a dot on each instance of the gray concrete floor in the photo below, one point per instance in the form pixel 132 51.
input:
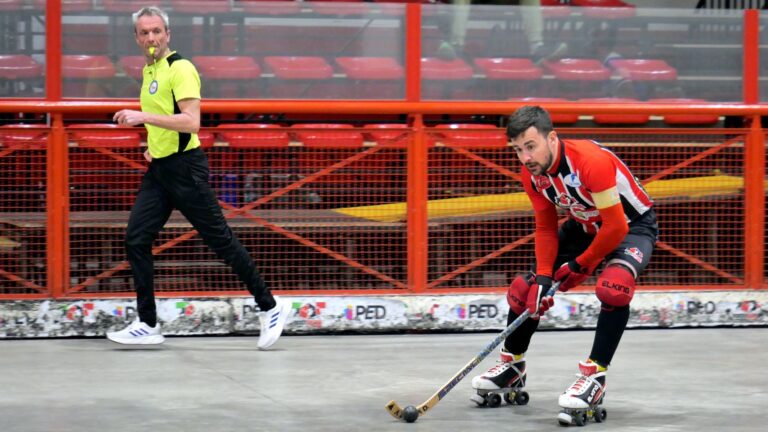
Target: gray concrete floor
pixel 661 380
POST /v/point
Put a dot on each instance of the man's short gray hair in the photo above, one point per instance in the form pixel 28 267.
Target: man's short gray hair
pixel 150 11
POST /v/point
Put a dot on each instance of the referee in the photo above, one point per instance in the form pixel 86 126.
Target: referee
pixel 177 178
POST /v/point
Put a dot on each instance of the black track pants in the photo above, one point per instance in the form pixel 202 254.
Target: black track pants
pixel 180 181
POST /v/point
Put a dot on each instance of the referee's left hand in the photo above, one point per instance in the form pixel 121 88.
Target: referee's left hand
pixel 128 117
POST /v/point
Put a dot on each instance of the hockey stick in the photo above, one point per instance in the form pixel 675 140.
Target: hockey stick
pixel 394 409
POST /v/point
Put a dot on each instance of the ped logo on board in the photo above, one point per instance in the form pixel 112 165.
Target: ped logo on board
pixel 365 312
pixel 477 310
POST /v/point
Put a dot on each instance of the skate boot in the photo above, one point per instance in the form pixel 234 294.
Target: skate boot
pixel 505 380
pixel 580 401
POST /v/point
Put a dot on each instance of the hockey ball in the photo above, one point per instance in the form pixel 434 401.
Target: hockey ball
pixel 410 414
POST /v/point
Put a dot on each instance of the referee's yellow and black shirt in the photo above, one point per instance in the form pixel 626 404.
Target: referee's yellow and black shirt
pixel 171 79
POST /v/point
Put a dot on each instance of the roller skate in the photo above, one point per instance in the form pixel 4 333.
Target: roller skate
pixel 505 380
pixel 580 402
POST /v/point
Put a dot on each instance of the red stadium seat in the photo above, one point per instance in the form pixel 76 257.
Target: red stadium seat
pixel 644 70
pixel 299 67
pixel 328 135
pixel 339 7
pixel 643 77
pixel 87 75
pixel 230 76
pixel 374 77
pixel 19 66
pixel 571 69
pixel 450 170
pixel 603 119
pixel 465 135
pixel 325 145
pixel 555 9
pixel 445 79
pixel 206 138
pixel 686 119
pixel 133 66
pixel 605 9
pixel 20 74
pixel 370 68
pixel 199 6
pixel 578 77
pixel 258 152
pixel 299 76
pixel 97 179
pixel 105 135
pixel 508 76
pixel 123 5
pixel 389 134
pixel 23 136
pixel 256 135
pixel 23 167
pixel 11 5
pixel 269 7
pixel 87 66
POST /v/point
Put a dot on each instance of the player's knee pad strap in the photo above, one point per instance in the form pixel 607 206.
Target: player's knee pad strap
pixel 518 293
pixel 615 286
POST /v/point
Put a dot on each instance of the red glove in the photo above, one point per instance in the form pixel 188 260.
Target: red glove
pixel 571 274
pixel 538 300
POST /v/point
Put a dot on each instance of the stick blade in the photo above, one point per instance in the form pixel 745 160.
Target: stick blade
pixel 394 410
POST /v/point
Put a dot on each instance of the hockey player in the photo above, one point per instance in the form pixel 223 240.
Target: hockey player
pixel 611 220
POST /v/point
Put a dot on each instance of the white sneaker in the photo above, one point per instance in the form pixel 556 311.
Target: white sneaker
pixel 272 322
pixel 138 333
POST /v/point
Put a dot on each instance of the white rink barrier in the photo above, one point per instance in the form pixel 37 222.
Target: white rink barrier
pixel 330 314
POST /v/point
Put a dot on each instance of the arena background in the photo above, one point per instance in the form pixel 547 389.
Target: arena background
pixel 368 174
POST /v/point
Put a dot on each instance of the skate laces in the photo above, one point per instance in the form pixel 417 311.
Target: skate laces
pixel 580 383
pixel 500 367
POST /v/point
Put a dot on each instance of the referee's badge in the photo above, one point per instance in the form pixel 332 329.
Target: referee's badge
pixel 153 87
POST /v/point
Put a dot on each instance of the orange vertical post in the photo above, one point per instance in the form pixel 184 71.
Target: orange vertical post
pixel 57 232
pixel 754 205
pixel 418 235
pixel 413 52
pixel 53 50
pixel 57 258
pixel 751 63
pixel 754 155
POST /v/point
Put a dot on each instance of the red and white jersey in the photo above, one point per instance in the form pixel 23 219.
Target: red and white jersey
pixel 584 167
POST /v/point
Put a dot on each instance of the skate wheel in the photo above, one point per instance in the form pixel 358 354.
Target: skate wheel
pixel 478 399
pixel 493 400
pixel 600 415
pixel 564 419
pixel 509 398
pixel 522 398
pixel 580 419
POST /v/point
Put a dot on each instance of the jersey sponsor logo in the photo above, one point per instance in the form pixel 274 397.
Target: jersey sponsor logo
pixel 153 87
pixel 564 201
pixel 543 182
pixel 572 180
pixel 635 253
pixel 581 212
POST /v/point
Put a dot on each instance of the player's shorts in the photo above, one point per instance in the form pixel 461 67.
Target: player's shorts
pixel 634 252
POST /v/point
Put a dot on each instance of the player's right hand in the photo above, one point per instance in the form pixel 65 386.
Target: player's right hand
pixel 538 301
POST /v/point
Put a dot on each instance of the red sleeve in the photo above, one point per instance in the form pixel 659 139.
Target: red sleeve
pixel 612 232
pixel 546 227
pixel 546 240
